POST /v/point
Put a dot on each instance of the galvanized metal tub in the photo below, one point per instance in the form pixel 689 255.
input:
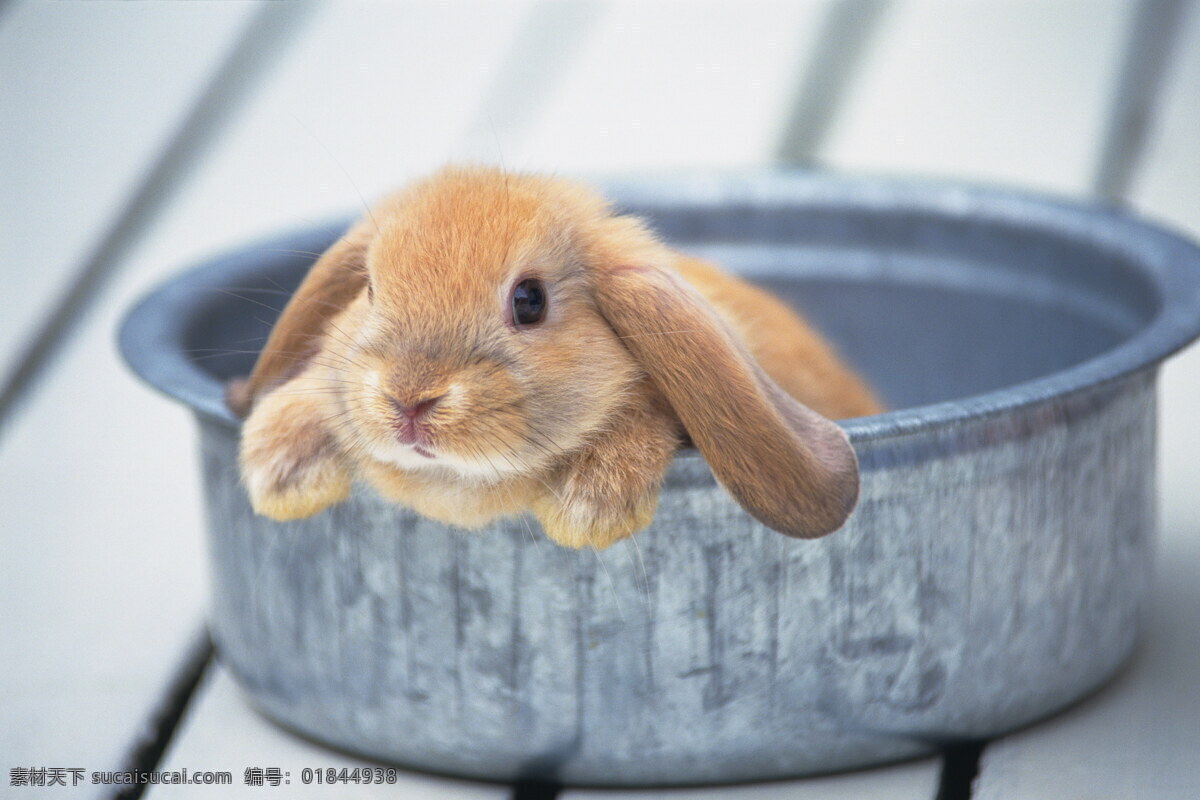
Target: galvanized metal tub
pixel 993 573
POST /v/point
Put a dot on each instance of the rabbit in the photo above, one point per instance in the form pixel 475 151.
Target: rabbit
pixel 484 343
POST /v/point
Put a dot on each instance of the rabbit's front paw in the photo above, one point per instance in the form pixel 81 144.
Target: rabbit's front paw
pixel 591 510
pixel 608 490
pixel 290 465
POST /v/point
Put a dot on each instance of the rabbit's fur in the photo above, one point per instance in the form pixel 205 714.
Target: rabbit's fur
pixel 574 418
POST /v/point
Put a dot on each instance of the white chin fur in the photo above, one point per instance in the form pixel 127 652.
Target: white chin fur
pixel 406 458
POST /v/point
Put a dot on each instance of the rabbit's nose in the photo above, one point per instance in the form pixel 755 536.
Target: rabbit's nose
pixel 418 409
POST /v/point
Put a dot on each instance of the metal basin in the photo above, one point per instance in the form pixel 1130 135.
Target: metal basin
pixel 994 571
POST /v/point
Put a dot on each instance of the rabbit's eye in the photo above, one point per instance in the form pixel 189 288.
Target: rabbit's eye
pixel 529 302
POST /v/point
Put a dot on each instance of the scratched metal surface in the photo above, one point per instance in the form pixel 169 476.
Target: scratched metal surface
pixel 993 573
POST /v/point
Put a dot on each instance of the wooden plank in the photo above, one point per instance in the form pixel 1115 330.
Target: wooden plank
pixel 101 579
pixel 1010 91
pixel 649 92
pixel 902 782
pixel 330 133
pixel 222 732
pixel 370 96
pixel 1168 190
pixel 1139 737
pixel 75 76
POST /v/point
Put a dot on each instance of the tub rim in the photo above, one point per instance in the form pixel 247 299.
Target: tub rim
pixel 152 334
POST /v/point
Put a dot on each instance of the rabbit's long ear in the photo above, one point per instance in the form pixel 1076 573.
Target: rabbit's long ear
pixel 336 278
pixel 791 468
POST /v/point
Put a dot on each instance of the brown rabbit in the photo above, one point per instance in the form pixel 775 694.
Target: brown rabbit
pixel 485 343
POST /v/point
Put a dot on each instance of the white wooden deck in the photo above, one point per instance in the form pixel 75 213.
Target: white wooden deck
pixel 140 137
